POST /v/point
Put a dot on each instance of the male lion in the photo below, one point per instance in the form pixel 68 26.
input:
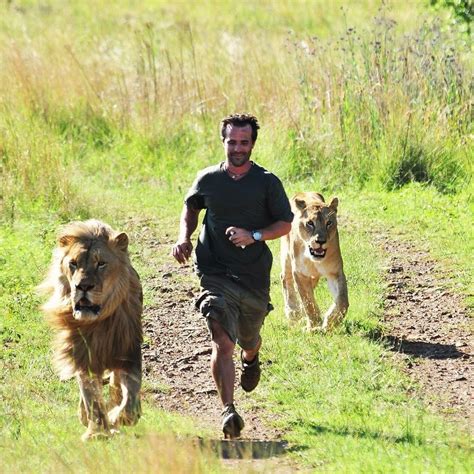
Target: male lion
pixel 310 251
pixel 96 305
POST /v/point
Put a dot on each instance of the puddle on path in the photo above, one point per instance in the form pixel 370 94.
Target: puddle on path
pixel 244 448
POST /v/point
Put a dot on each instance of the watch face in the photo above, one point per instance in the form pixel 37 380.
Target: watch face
pixel 257 235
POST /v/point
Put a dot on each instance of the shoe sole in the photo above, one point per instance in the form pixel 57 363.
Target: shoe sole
pixel 233 426
pixel 246 386
pixel 249 387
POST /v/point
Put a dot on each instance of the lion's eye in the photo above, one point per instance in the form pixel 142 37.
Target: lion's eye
pixel 72 264
pixel 329 224
pixel 101 265
pixel 310 224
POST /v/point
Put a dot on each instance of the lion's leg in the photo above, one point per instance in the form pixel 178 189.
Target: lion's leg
pixel 93 405
pixel 125 390
pixel 82 412
pixel 306 287
pixel 131 381
pixel 290 297
pixel 335 314
pixel 115 390
pixel 117 398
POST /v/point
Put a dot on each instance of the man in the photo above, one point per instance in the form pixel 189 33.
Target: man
pixel 245 206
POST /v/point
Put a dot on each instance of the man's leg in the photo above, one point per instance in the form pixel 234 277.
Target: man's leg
pixel 223 372
pixel 250 354
pixel 222 363
pixel 250 375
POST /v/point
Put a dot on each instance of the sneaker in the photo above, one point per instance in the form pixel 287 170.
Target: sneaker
pixel 250 373
pixel 232 423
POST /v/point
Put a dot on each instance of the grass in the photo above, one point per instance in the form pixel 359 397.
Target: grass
pixel 342 397
pixel 351 93
pixel 115 108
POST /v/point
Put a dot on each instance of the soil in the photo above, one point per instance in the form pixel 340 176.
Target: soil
pixel 426 322
pixel 177 356
pixel 429 328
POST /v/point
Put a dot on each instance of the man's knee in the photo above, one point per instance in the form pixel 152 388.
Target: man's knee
pixel 222 343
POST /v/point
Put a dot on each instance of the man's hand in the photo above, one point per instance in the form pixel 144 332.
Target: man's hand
pixel 239 237
pixel 182 250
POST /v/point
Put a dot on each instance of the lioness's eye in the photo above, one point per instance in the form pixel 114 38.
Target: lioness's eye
pixel 329 224
pixel 73 264
pixel 310 224
pixel 101 265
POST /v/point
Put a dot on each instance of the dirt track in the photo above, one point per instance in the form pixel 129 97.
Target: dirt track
pixel 426 324
pixel 428 327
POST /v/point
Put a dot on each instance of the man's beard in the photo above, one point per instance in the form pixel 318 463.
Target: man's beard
pixel 239 160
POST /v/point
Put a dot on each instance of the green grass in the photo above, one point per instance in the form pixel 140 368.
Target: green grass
pixel 38 412
pixel 342 397
pixel 442 224
pixel 359 94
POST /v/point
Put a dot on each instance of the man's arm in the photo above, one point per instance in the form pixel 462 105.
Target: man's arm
pixel 183 247
pixel 243 237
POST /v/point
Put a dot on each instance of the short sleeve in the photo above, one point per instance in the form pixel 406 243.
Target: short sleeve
pixel 278 203
pixel 194 198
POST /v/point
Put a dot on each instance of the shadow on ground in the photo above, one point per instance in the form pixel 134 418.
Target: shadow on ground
pixel 428 350
pixel 416 348
pixel 365 434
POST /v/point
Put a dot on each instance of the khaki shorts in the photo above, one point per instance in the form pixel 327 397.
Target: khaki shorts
pixel 239 310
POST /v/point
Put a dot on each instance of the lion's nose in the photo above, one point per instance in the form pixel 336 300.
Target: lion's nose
pixel 84 286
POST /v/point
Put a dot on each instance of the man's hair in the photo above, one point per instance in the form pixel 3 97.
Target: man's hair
pixel 240 120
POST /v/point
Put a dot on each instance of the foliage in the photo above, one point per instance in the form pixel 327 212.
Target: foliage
pixel 362 101
pixel 463 10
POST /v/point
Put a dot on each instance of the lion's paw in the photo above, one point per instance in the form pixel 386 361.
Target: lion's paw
pixel 90 435
pixel 114 415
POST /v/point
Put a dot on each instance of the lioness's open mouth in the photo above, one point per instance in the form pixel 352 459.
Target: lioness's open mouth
pixel 317 253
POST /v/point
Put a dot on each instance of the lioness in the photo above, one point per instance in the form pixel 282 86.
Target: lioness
pixel 96 305
pixel 310 251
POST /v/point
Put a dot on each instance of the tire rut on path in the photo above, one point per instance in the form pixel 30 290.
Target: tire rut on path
pixel 428 327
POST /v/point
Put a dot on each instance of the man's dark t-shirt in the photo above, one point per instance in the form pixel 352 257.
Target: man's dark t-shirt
pixel 253 202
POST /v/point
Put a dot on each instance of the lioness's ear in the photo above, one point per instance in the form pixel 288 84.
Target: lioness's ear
pixel 334 204
pixel 121 241
pixel 300 204
pixel 66 240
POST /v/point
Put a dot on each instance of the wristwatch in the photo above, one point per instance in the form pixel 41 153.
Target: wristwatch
pixel 256 235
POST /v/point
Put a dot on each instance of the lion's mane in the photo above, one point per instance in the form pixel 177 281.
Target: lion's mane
pixel 113 340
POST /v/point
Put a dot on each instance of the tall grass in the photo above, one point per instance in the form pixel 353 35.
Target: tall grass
pixel 360 100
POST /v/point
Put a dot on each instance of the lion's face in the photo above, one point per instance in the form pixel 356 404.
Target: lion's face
pixel 91 269
pixel 317 226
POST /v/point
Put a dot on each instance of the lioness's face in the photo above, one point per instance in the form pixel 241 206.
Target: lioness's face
pixel 91 269
pixel 317 227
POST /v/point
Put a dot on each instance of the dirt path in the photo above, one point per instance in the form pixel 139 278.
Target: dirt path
pixel 426 322
pixel 428 327
pixel 176 357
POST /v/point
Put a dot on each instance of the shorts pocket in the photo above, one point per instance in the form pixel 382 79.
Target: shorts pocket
pixel 209 301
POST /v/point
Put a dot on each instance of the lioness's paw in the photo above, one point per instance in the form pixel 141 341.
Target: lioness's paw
pixel 313 329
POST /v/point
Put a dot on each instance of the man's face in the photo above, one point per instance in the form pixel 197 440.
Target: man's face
pixel 238 144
